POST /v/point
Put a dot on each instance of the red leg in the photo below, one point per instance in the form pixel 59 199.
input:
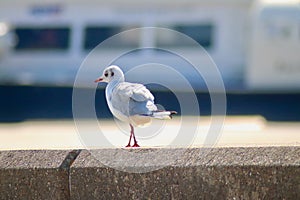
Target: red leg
pixel 132 132
pixel 128 145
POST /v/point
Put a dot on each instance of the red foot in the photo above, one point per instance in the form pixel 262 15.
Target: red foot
pixel 128 145
pixel 136 145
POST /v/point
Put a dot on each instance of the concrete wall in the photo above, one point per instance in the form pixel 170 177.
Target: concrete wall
pixel 223 173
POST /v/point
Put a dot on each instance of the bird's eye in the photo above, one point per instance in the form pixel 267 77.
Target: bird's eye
pixel 112 73
pixel 106 74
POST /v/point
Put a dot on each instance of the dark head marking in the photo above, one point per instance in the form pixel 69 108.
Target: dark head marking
pixel 111 72
pixel 106 74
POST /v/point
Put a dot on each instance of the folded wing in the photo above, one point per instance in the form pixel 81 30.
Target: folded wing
pixel 133 99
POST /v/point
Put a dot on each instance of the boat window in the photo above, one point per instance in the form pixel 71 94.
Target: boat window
pixel 42 38
pixel 203 34
pixel 94 35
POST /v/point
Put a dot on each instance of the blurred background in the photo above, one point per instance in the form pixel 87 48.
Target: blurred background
pixel 255 44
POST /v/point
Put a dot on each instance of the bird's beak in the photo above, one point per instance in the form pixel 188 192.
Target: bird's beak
pixel 99 80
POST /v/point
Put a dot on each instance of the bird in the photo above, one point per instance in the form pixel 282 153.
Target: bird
pixel 129 102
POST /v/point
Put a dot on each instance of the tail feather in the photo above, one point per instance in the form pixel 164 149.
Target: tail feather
pixel 163 114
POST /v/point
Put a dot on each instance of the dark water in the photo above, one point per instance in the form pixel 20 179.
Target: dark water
pixel 18 103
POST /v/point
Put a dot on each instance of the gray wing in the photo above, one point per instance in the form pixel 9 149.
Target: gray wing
pixel 132 99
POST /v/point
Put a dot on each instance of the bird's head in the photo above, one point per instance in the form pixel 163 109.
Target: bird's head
pixel 111 73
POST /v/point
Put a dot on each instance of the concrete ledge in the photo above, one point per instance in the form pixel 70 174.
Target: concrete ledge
pixel 224 173
pixel 198 173
pixel 39 174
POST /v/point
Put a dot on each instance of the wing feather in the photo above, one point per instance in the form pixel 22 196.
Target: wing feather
pixel 135 91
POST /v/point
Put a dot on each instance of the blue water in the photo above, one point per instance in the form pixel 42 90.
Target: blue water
pixel 18 103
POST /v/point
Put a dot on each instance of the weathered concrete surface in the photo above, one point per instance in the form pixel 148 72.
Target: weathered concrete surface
pixel 221 173
pixel 34 175
pixel 197 173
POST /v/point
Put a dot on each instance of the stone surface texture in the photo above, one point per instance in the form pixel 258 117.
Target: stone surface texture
pixel 152 173
pixel 33 175
pixel 221 173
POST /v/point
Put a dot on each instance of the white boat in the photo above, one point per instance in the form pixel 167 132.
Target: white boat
pixel 45 43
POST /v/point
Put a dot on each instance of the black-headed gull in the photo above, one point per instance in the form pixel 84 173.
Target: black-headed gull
pixel 130 102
